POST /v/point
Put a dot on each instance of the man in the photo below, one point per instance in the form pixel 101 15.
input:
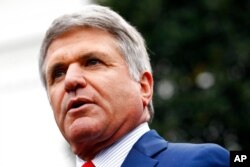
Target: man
pixel 98 78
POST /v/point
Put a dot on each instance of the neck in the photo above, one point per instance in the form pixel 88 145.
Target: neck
pixel 88 150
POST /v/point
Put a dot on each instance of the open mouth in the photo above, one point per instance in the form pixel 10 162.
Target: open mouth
pixel 74 104
pixel 77 104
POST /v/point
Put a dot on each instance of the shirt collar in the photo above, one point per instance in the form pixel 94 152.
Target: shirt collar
pixel 115 154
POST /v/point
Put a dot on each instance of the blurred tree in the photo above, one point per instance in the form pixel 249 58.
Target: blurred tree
pixel 200 55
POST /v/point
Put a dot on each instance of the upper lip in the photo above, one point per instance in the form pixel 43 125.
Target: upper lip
pixel 77 102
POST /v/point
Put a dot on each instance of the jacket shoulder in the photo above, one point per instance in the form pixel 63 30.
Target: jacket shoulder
pixel 151 150
pixel 186 154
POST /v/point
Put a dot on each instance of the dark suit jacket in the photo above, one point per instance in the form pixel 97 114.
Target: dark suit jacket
pixel 151 150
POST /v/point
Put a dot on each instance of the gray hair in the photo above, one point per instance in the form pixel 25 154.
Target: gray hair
pixel 130 42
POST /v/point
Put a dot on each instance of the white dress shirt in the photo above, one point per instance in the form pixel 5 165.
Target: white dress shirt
pixel 117 152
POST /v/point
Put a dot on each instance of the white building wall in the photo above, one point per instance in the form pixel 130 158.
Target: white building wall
pixel 28 133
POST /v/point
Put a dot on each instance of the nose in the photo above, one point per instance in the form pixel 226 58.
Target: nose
pixel 74 78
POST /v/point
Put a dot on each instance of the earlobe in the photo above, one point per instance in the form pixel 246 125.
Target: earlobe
pixel 146 83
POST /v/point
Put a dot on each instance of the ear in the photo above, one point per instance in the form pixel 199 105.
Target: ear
pixel 146 83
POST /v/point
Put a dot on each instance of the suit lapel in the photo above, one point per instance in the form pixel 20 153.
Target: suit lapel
pixel 138 159
pixel 144 149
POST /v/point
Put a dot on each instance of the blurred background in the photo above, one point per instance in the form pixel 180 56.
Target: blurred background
pixel 28 133
pixel 200 55
pixel 199 52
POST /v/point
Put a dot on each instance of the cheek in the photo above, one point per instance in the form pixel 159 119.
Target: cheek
pixel 55 98
pixel 125 100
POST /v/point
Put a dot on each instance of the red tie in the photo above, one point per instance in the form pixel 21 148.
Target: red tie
pixel 88 164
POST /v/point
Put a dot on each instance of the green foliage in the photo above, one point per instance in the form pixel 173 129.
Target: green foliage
pixel 200 56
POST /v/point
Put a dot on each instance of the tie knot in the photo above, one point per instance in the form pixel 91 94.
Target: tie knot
pixel 88 164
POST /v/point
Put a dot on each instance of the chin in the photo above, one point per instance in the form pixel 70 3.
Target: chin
pixel 83 130
pixel 81 140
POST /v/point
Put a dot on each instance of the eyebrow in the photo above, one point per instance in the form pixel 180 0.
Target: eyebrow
pixel 93 54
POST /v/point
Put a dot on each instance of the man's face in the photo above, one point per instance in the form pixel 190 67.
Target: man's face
pixel 93 97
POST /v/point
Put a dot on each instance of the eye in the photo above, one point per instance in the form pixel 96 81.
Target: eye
pixel 57 73
pixel 93 62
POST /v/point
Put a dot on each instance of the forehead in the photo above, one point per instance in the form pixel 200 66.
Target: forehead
pixel 80 40
pixel 83 35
